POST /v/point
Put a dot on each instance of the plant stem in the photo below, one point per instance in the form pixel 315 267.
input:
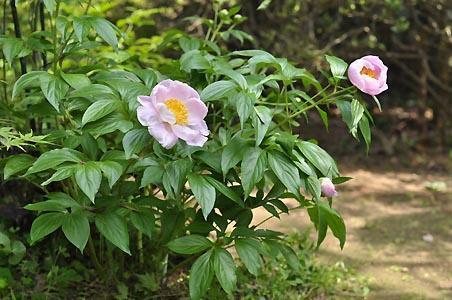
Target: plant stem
pixel 93 255
pixel 43 28
pixel 23 65
pixel 54 33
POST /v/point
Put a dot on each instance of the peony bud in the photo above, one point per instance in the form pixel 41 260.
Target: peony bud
pixel 327 187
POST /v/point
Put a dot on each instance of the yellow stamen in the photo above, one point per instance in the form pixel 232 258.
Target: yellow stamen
pixel 369 72
pixel 178 109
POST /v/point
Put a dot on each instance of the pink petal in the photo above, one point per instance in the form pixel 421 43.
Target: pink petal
pixel 197 110
pixel 191 136
pixel 163 134
pixel 354 74
pixel 201 127
pixel 146 114
pixel 165 114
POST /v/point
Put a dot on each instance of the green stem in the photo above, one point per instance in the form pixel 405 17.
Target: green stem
pixel 94 259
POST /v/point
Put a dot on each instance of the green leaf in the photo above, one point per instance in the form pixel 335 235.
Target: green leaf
pixel 339 180
pixel 357 111
pixel 49 205
pixel 88 177
pixel 313 186
pixel 317 217
pixel 143 221
pixel 190 244
pixel 201 276
pixel 334 221
pixel 114 228
pixel 105 30
pixel 26 80
pixel 365 131
pixel 253 167
pixel 217 90
pixel 108 124
pixel 100 109
pixel 18 252
pixel 224 267
pixel 45 224
pixel 188 44
pixel 60 174
pixel 76 81
pixel 261 122
pixel 204 193
pixel 337 66
pixel 93 92
pixel 50 5
pixel 232 154
pixel 17 163
pixel 12 48
pixel 54 89
pixel 53 158
pixel 228 192
pixel 134 141
pixel 291 257
pixel 225 69
pixel 76 229
pixel 286 171
pixel 112 171
pixel 319 158
pixel 248 251
pixel 81 26
pixel 193 60
pixel 244 105
pixel 152 175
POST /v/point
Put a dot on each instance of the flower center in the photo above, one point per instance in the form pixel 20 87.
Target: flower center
pixel 178 109
pixel 369 72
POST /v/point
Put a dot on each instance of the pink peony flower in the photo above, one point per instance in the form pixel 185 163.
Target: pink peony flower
pixel 327 187
pixel 174 111
pixel 368 74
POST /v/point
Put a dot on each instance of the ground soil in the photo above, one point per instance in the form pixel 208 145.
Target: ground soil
pixel 399 231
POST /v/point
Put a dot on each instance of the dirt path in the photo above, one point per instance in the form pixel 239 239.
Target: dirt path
pixel 399 233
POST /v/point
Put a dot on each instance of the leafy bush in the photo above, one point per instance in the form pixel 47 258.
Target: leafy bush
pixel 115 191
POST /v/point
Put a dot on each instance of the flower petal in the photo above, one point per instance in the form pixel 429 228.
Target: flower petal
pixel 191 136
pixel 197 110
pixel 163 134
pixel 146 114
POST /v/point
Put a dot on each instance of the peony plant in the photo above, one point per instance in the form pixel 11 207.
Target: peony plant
pixel 167 163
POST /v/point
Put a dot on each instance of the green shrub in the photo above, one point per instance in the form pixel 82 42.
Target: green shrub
pixel 151 204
